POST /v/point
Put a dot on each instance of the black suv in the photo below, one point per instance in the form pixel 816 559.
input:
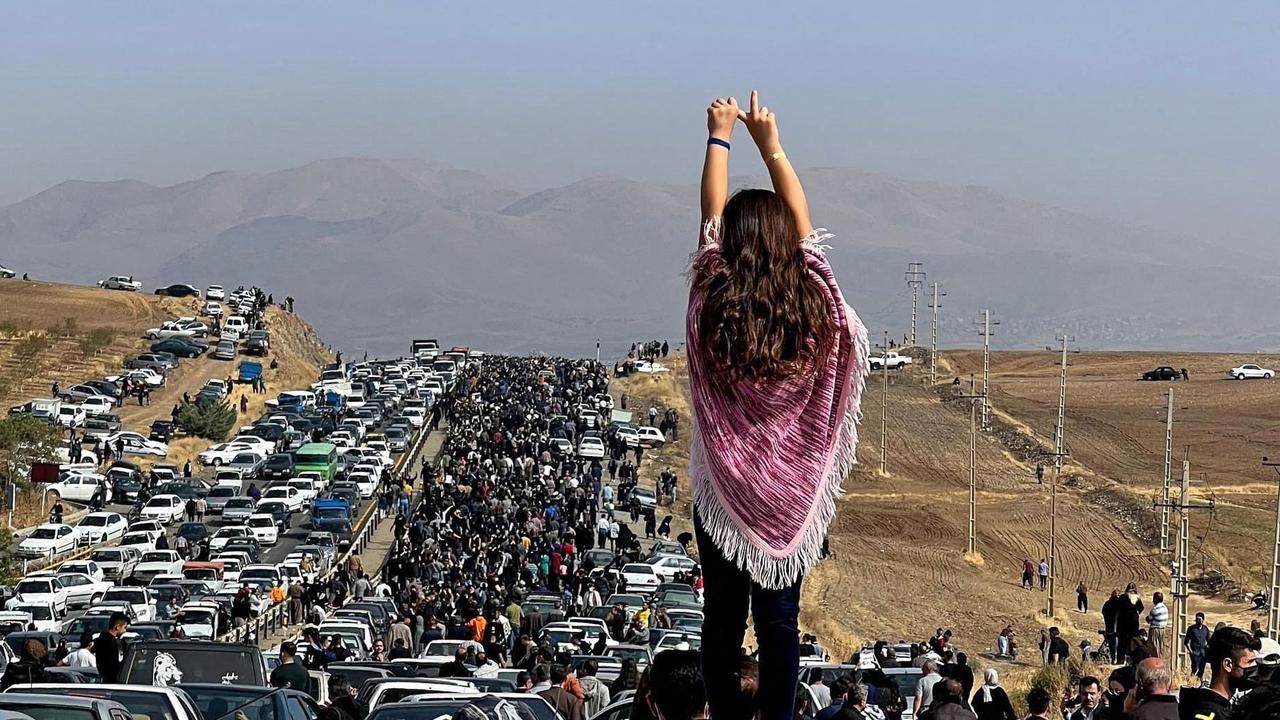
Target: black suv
pixel 161 431
pixel 278 467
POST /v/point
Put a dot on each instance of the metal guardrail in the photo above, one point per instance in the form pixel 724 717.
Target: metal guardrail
pixel 276 617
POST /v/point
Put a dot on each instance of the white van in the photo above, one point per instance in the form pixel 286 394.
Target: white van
pixel 46 409
pixel 235 327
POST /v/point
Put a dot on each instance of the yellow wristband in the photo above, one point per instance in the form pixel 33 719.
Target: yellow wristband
pixel 780 155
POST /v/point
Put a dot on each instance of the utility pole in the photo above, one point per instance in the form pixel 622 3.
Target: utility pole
pixel 1178 576
pixel 885 411
pixel 1058 431
pixel 915 278
pixel 933 350
pixel 985 332
pixel 973 470
pixel 1273 614
pixel 1164 492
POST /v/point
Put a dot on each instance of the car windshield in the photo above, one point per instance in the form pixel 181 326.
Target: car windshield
pixel 329 512
pixel 33 587
pixel 106 556
pixel 222 491
pixel 160 502
pixel 156 557
pixel 44 534
pixel 261 522
pixel 240 503
pixel 95 520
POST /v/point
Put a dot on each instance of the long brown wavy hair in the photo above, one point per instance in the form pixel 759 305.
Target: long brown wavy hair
pixel 762 317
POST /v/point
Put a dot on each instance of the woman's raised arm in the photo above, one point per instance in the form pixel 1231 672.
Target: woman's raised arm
pixel 721 117
pixel 764 130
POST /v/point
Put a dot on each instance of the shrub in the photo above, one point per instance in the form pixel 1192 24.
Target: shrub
pixel 32 345
pixel 209 419
pixel 96 340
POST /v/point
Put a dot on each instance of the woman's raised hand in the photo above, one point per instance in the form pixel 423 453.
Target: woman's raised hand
pixel 721 117
pixel 760 123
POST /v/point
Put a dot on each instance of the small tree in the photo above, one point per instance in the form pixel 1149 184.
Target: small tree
pixel 24 440
pixel 206 418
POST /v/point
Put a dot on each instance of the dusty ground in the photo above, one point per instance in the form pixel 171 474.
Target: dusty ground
pixel 38 345
pixel 899 567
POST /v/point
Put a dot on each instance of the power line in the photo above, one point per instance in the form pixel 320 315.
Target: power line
pixel 933 350
pixel 1058 442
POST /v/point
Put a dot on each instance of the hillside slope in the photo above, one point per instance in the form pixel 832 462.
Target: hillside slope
pixel 378 250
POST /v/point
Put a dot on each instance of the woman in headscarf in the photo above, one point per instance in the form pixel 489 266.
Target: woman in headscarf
pixel 776 367
pixel 991 702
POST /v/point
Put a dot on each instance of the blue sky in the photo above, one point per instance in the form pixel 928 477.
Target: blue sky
pixel 1159 113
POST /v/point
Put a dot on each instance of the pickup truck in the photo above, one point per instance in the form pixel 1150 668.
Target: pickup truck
pixel 249 371
pixel 890 360
pixel 120 282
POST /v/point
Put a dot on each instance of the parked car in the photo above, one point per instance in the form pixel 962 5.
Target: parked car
pixel 6 273
pixel 48 541
pixel 181 347
pixel 120 282
pixel 100 527
pixel 1250 371
pixel 180 290
pixel 215 292
pixel 1162 373
pixel 136 444
pixel 165 508
pixel 117 563
pixel 162 362
pixel 226 350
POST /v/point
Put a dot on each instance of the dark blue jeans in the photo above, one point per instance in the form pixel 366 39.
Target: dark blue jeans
pixel 728 593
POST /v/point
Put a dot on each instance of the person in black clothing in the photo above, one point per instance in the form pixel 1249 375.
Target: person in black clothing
pixel 457 666
pixel 1059 650
pixel 398 650
pixel 991 702
pixel 107 648
pixel 290 673
pixel 30 668
pixel 963 673
pixel 343 704
pixel 1232 657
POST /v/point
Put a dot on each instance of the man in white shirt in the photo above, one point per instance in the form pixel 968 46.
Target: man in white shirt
pixel 83 656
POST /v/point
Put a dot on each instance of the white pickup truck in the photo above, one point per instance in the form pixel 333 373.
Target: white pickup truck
pixel 890 360
pixel 120 282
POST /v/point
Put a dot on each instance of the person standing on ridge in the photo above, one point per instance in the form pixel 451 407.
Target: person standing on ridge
pixel 767 327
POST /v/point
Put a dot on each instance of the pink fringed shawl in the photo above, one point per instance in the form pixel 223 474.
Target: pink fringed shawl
pixel 768 458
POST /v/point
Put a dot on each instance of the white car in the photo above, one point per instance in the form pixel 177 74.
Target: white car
pixel 157 562
pixel 100 527
pixel 1249 371
pixel 199 619
pixel 138 540
pixel 365 481
pixel 84 567
pixel 263 527
pixel 219 539
pixel 164 508
pixel 136 444
pixel 639 577
pixel 77 486
pixel 6 272
pixel 287 494
pixel 215 292
pixel 591 446
pixel 82 590
pixel 146 376
pixel 650 436
pixel 40 589
pixel 651 368
pixel 259 445
pixel 120 282
pixel 43 615
pixel 137 597
pixel 97 405
pixel 115 563
pixel 417 416
pixel 211 309
pixel 72 416
pixel 307 488
pixel 47 541
pixel 169 330
pixel 666 566
pixel 628 435
pixel 235 326
pixel 224 453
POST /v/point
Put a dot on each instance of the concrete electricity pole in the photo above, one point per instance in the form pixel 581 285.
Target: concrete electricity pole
pixel 884 411
pixel 973 399
pixel 933 349
pixel 1057 471
pixel 1164 492
pixel 1273 611
pixel 985 332
pixel 915 278
pixel 1178 577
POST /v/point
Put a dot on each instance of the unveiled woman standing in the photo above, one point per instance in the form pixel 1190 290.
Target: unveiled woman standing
pixel 776 365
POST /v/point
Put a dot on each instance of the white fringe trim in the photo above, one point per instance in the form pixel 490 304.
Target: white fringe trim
pixel 765 569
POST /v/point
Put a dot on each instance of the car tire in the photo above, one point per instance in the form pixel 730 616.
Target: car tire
pixel 1240 376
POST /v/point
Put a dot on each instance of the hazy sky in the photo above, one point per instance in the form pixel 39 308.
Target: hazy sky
pixel 1159 112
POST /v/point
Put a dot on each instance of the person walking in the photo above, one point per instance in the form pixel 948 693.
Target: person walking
pixel 767 327
pixel 1082 598
pixel 1044 574
pixel 1196 641
pixel 991 702
pixel 1028 573
pixel 1128 613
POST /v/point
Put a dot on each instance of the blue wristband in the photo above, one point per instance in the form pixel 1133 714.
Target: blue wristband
pixel 717 141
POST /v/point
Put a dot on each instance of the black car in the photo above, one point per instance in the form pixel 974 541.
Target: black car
pixel 1162 373
pixel 199 661
pixel 279 511
pixel 247 545
pixel 161 430
pixel 109 388
pixel 346 491
pixel 158 361
pixel 255 346
pixel 267 431
pixel 213 699
pixel 182 347
pixel 195 533
pixel 126 490
pixel 101 425
pixel 278 467
pixel 178 290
